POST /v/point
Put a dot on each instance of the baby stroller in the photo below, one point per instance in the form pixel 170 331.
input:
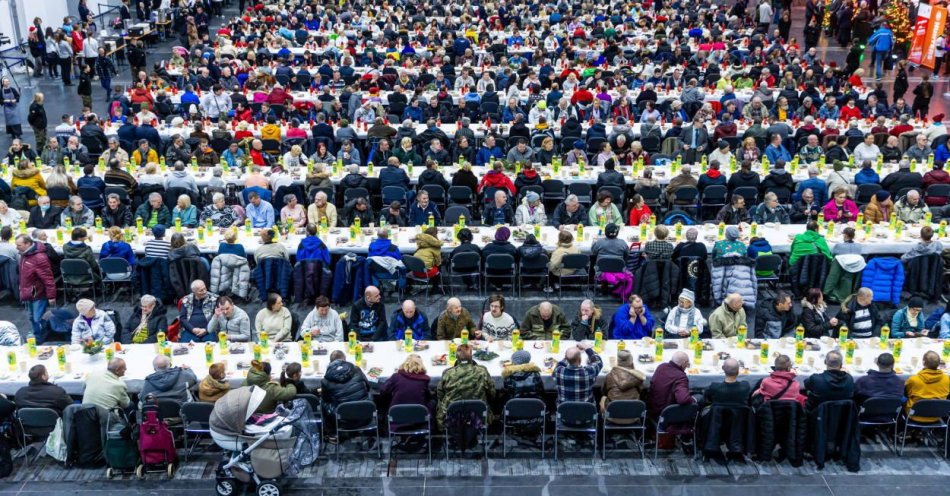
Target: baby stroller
pixel 121 449
pixel 256 455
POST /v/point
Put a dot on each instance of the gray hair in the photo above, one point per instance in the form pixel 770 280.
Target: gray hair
pixel 148 300
pixel 571 199
pixel 152 196
pixel 160 362
pixel 353 168
pixel 195 284
pixel 812 170
pixel 73 200
pixel 288 197
pixel 833 360
pixel 113 196
pixel 321 195
pixel 217 196
pixel 730 367
pixel 692 234
pixel 115 363
pixel 770 196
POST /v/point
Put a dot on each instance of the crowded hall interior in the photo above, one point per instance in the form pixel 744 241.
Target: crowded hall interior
pixel 474 246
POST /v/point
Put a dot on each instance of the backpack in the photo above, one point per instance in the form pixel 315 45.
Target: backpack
pixel 463 428
pixel 20 200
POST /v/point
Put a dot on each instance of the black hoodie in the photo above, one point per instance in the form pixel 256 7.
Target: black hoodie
pixel 830 385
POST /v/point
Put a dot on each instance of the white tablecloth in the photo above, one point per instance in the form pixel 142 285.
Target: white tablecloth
pixel 387 356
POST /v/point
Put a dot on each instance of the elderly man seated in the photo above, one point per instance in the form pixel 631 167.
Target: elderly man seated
pixel 221 214
pixel 77 214
pixel 168 382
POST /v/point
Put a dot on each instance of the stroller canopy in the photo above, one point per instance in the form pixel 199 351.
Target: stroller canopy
pixel 231 412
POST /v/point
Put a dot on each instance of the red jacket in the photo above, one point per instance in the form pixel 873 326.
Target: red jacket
pixel 936 176
pixel 36 275
pixel 639 213
pixel 669 386
pixel 848 113
pixel 279 97
pixel 772 385
pixel 496 180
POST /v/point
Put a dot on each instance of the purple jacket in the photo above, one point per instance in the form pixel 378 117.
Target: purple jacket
pixel 404 388
pixel 669 385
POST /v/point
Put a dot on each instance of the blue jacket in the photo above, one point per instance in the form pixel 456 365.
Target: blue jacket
pixel 901 324
pixel 117 249
pixel 412 113
pixel 867 176
pixel 153 277
pixel 350 279
pixel 622 328
pixel 383 248
pixel 884 276
pixel 419 216
pixel 776 153
pixel 485 154
pixel 817 186
pixel 941 154
pixel 91 182
pixel 273 275
pixel 313 248
pixel 882 40
pixel 398 325
pixel 393 176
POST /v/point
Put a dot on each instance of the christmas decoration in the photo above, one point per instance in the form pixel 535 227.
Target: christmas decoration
pixel 898 20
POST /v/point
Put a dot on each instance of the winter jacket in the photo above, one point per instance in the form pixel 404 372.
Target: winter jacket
pixel 669 386
pixel 429 250
pixel 533 327
pixel 118 249
pixel 815 321
pixel 230 274
pixel 862 322
pixel 448 327
pixel 772 324
pixel 655 282
pixel 581 330
pixel 272 275
pixel 884 276
pixel 833 213
pixel 368 321
pixel 29 177
pixel 466 380
pixel 350 278
pixel 911 214
pixel 120 217
pixel 924 272
pixel 522 381
pixel 405 388
pixel 399 324
pixel 621 384
pixel 144 212
pixel 781 422
pixel 275 393
pixel 562 217
pixel 313 248
pixel 157 322
pixel 928 384
pixel 772 387
pixel 830 385
pixel 41 394
pixel 734 275
pixel 808 243
pixel 187 307
pixel 100 328
pixel 842 279
pixel 557 259
pixel 902 323
pixel 723 322
pixel 312 278
pixel 878 384
pixel 36 275
pixel 173 383
pixel 875 211
pixel 622 328
pixel 211 389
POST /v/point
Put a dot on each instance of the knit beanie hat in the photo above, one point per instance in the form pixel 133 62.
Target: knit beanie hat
pixel 520 357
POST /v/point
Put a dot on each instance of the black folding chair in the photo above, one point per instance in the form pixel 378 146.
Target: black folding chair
pixel 500 266
pixel 466 264
pixel 357 417
pixel 676 414
pixel 576 416
pixel 881 411
pixel 409 421
pixel 36 424
pixel 580 264
pixel 477 408
pixel 196 419
pixel 625 416
pixel 520 413
pixel 936 409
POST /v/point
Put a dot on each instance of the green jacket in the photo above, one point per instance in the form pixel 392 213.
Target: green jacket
pixel 82 252
pixel 532 326
pixel 448 328
pixel 808 243
pixel 723 322
pixel 466 380
pixel 275 392
pixel 144 211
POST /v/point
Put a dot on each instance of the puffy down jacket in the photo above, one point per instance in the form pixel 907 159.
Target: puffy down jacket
pixel 230 274
pixel 734 275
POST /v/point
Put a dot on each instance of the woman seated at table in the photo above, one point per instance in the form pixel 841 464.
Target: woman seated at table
pixel 116 247
pixel 731 246
pixel 295 157
pixel 181 249
pixel 230 246
pixel 840 208
pixel 682 319
pixel 409 385
pixel 565 246
pixel 275 319
pixel 58 178
pixel 185 211
pixel 406 153
pixel 269 247
pixel 639 211
pixel 547 152
pixel 323 155
pixel 605 207
pixel 293 211
pixel 150 177
pixel 748 151
pixel 814 317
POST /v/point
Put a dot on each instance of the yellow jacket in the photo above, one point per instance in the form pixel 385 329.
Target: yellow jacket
pixel 557 259
pixel 29 178
pixel 928 384
pixel 430 250
pixel 150 157
pixel 270 132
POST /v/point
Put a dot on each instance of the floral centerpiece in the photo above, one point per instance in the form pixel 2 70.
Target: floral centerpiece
pixel 91 347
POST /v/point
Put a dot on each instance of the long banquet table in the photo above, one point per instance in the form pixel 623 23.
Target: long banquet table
pixel 387 356
pixel 881 241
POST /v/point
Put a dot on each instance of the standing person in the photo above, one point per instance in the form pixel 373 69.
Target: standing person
pixel 52 54
pixel 84 88
pixel 37 119
pixel 11 112
pixel 881 43
pixel 105 69
pixel 37 50
pixel 922 95
pixel 64 54
pixel 37 287
pixel 900 80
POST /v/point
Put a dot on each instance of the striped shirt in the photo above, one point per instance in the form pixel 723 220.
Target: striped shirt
pixel 158 248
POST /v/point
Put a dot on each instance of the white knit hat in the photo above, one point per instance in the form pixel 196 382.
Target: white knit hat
pixel 687 294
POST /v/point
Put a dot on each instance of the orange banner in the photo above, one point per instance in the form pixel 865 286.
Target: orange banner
pixel 916 54
pixel 938 21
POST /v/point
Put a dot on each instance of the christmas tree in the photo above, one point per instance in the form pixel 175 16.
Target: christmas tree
pixel 896 15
